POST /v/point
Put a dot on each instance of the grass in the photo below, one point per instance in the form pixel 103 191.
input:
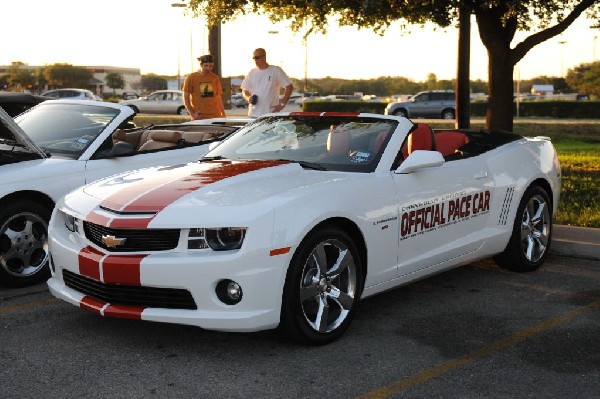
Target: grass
pixel 578 147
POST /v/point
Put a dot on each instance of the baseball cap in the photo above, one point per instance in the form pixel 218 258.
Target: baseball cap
pixel 206 58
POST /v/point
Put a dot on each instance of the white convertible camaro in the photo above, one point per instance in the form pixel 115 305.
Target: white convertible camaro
pixel 60 145
pixel 295 217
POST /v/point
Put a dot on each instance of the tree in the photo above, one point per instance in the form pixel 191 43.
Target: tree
pixel 497 21
pixel 153 82
pixel 67 75
pixel 585 78
pixel 20 78
pixel 115 81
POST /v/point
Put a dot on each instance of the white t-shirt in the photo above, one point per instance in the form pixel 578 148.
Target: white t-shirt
pixel 265 83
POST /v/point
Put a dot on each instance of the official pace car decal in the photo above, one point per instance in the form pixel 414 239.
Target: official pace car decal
pixel 148 197
pixel 429 215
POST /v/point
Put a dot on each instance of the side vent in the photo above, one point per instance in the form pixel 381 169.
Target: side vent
pixel 510 191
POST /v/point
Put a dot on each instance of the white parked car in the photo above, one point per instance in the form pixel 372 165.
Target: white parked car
pixel 158 102
pixel 71 94
pixel 294 218
pixel 62 144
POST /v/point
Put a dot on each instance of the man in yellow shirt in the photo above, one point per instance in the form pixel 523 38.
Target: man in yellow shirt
pixel 202 92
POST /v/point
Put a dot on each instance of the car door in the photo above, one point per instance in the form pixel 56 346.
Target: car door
pixel 442 212
pixel 153 103
pixel 420 105
pixel 175 101
pixel 99 168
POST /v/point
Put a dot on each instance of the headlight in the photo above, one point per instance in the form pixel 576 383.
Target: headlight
pixel 217 239
pixel 225 238
pixel 70 222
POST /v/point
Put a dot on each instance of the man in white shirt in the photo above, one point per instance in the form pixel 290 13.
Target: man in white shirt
pixel 262 84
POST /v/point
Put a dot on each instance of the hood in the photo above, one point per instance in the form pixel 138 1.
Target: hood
pixel 12 132
pixel 213 184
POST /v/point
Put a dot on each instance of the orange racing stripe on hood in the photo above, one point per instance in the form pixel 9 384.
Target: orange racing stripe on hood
pixel 155 194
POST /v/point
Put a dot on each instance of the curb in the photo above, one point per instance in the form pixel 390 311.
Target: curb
pixel 580 242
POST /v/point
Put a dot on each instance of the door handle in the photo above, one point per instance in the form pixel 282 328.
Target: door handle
pixel 481 175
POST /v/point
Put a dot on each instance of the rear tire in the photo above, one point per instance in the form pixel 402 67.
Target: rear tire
pixel 322 287
pixel 400 112
pixel 532 233
pixel 182 111
pixel 24 244
pixel 448 114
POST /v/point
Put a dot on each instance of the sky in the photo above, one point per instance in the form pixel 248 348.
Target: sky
pixel 157 38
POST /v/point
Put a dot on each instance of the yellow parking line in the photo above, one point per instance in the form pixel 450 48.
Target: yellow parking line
pixel 550 291
pixel 16 308
pixel 572 271
pixel 491 349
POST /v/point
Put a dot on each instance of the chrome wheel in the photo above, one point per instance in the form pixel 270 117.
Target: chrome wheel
pixel 322 287
pixel 23 244
pixel 535 228
pixel 531 234
pixel 328 286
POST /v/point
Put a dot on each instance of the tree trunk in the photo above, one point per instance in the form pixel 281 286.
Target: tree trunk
pixel 463 101
pixel 499 115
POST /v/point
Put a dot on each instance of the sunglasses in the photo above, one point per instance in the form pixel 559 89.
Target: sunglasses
pixel 256 57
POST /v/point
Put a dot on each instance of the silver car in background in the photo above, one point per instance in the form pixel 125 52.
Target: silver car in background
pixel 158 102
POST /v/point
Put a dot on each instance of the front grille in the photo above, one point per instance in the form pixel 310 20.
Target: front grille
pixel 151 297
pixel 136 240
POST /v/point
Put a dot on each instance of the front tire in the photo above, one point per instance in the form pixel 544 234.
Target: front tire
pixel 322 287
pixel 24 244
pixel 182 111
pixel 532 233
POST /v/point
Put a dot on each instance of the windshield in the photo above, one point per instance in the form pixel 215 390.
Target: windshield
pixel 65 129
pixel 341 143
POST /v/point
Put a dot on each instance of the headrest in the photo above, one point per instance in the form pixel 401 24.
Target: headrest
pixel 120 135
pixel 421 139
pixel 169 136
pixel 338 141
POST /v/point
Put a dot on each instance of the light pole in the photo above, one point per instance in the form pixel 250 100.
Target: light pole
pixel 562 43
pixel 178 5
pixel 595 37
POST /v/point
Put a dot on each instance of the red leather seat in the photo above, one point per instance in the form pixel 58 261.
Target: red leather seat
pixel 448 142
pixel 421 138
pixel 378 142
pixel 338 141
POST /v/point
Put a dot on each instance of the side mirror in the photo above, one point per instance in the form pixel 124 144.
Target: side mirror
pixel 420 159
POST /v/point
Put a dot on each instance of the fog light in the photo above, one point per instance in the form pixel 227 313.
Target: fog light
pixel 229 292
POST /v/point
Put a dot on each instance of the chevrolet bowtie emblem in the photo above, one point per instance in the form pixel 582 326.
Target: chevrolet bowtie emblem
pixel 112 241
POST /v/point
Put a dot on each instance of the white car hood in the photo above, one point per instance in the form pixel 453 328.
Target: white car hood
pixel 212 184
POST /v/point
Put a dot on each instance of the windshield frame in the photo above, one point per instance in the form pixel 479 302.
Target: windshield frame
pixel 66 129
pixel 320 142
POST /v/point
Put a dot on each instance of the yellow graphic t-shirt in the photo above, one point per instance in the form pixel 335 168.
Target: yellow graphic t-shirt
pixel 206 91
